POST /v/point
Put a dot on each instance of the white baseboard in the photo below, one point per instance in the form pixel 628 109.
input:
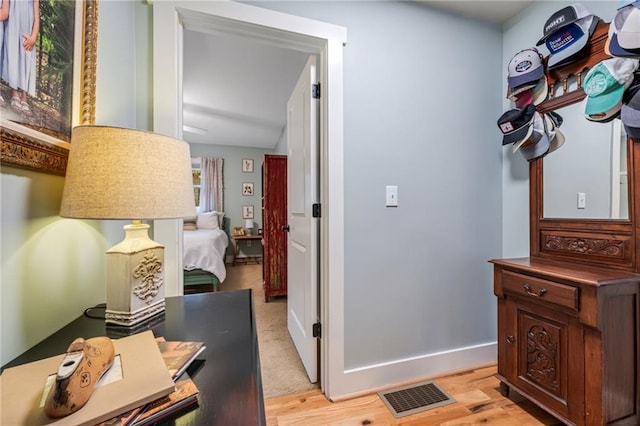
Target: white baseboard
pixel 373 378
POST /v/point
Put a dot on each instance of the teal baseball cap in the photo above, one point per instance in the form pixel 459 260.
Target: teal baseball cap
pixel 605 84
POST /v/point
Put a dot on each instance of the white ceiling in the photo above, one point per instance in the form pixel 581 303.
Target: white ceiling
pixel 236 90
pixel 493 12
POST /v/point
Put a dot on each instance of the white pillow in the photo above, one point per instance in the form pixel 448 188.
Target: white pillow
pixel 220 218
pixel 207 220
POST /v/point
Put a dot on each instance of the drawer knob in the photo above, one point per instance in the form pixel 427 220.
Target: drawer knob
pixel 530 291
pixel 511 339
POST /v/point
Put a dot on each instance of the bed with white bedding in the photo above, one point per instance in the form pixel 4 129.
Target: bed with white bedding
pixel 205 242
pixel 205 249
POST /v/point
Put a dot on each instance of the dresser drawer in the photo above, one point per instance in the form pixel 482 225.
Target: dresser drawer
pixel 540 289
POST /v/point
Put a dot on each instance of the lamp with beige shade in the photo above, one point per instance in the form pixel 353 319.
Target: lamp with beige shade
pixel 118 173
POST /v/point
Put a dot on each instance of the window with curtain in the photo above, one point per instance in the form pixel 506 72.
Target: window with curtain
pixel 211 185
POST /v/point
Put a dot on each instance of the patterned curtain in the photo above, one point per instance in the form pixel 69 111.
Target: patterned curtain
pixel 212 184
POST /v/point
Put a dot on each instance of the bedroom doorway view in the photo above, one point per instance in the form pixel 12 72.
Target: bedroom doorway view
pixel 283 370
pixel 279 315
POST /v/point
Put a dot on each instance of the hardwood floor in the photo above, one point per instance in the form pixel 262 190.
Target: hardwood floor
pixel 477 395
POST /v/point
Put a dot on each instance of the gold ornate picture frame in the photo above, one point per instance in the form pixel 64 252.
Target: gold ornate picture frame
pixel 34 149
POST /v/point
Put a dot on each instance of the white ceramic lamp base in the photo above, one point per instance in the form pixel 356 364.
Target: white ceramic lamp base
pixel 135 278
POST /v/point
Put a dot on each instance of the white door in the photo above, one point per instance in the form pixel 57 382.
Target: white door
pixel 303 192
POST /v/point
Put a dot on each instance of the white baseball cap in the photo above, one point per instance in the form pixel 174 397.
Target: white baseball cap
pixel 525 67
pixel 626 25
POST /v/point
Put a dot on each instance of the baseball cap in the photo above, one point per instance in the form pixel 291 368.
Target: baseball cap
pixel 630 114
pixel 540 91
pixel 556 118
pixel 612 48
pixel 568 42
pixel 605 116
pixel 626 24
pixel 604 86
pixel 556 137
pixel 538 142
pixel 525 67
pixel 512 92
pixel 532 136
pixel 523 99
pixel 515 124
pixel 562 18
pixel 623 3
pixel 557 141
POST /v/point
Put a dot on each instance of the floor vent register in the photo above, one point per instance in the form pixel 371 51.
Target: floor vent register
pixel 414 398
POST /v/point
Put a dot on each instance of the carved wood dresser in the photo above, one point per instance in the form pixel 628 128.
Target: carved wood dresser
pixel 569 314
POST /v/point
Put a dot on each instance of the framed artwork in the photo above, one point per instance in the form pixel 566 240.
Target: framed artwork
pixel 247 165
pixel 247 212
pixel 35 133
pixel 247 188
pixel 238 230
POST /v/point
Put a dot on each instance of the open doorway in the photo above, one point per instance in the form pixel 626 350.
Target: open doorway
pixel 322 39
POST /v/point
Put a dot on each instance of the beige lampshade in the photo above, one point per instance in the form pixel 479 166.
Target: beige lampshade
pixel 117 173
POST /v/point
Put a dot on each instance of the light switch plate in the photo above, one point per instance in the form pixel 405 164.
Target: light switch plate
pixel 582 200
pixel 392 196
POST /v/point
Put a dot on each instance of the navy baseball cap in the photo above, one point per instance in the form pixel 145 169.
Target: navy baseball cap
pixel 630 113
pixel 515 124
pixel 566 44
pixel 563 17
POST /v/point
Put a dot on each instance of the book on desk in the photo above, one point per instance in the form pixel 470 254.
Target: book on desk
pixel 144 378
pixel 177 356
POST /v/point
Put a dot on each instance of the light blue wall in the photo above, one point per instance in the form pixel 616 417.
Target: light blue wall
pixel 422 95
pixel 233 179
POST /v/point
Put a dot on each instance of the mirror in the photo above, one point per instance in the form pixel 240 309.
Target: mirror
pixel 586 177
pixel 597 159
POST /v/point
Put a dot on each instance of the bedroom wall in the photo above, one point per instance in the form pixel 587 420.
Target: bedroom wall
pixel 54 268
pixel 233 179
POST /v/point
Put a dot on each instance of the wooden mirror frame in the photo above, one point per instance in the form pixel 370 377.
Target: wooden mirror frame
pixel 605 242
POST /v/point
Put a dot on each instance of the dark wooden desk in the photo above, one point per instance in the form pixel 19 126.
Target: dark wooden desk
pixel 227 373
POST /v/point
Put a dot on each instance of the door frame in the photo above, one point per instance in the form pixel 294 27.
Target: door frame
pixel 287 31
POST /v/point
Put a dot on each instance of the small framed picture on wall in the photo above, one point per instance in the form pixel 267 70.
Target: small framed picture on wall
pixel 247 165
pixel 247 188
pixel 247 212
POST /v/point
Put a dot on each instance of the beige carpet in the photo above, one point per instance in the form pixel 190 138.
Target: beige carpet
pixel 282 370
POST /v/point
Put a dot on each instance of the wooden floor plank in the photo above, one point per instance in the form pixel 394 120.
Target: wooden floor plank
pixel 476 392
